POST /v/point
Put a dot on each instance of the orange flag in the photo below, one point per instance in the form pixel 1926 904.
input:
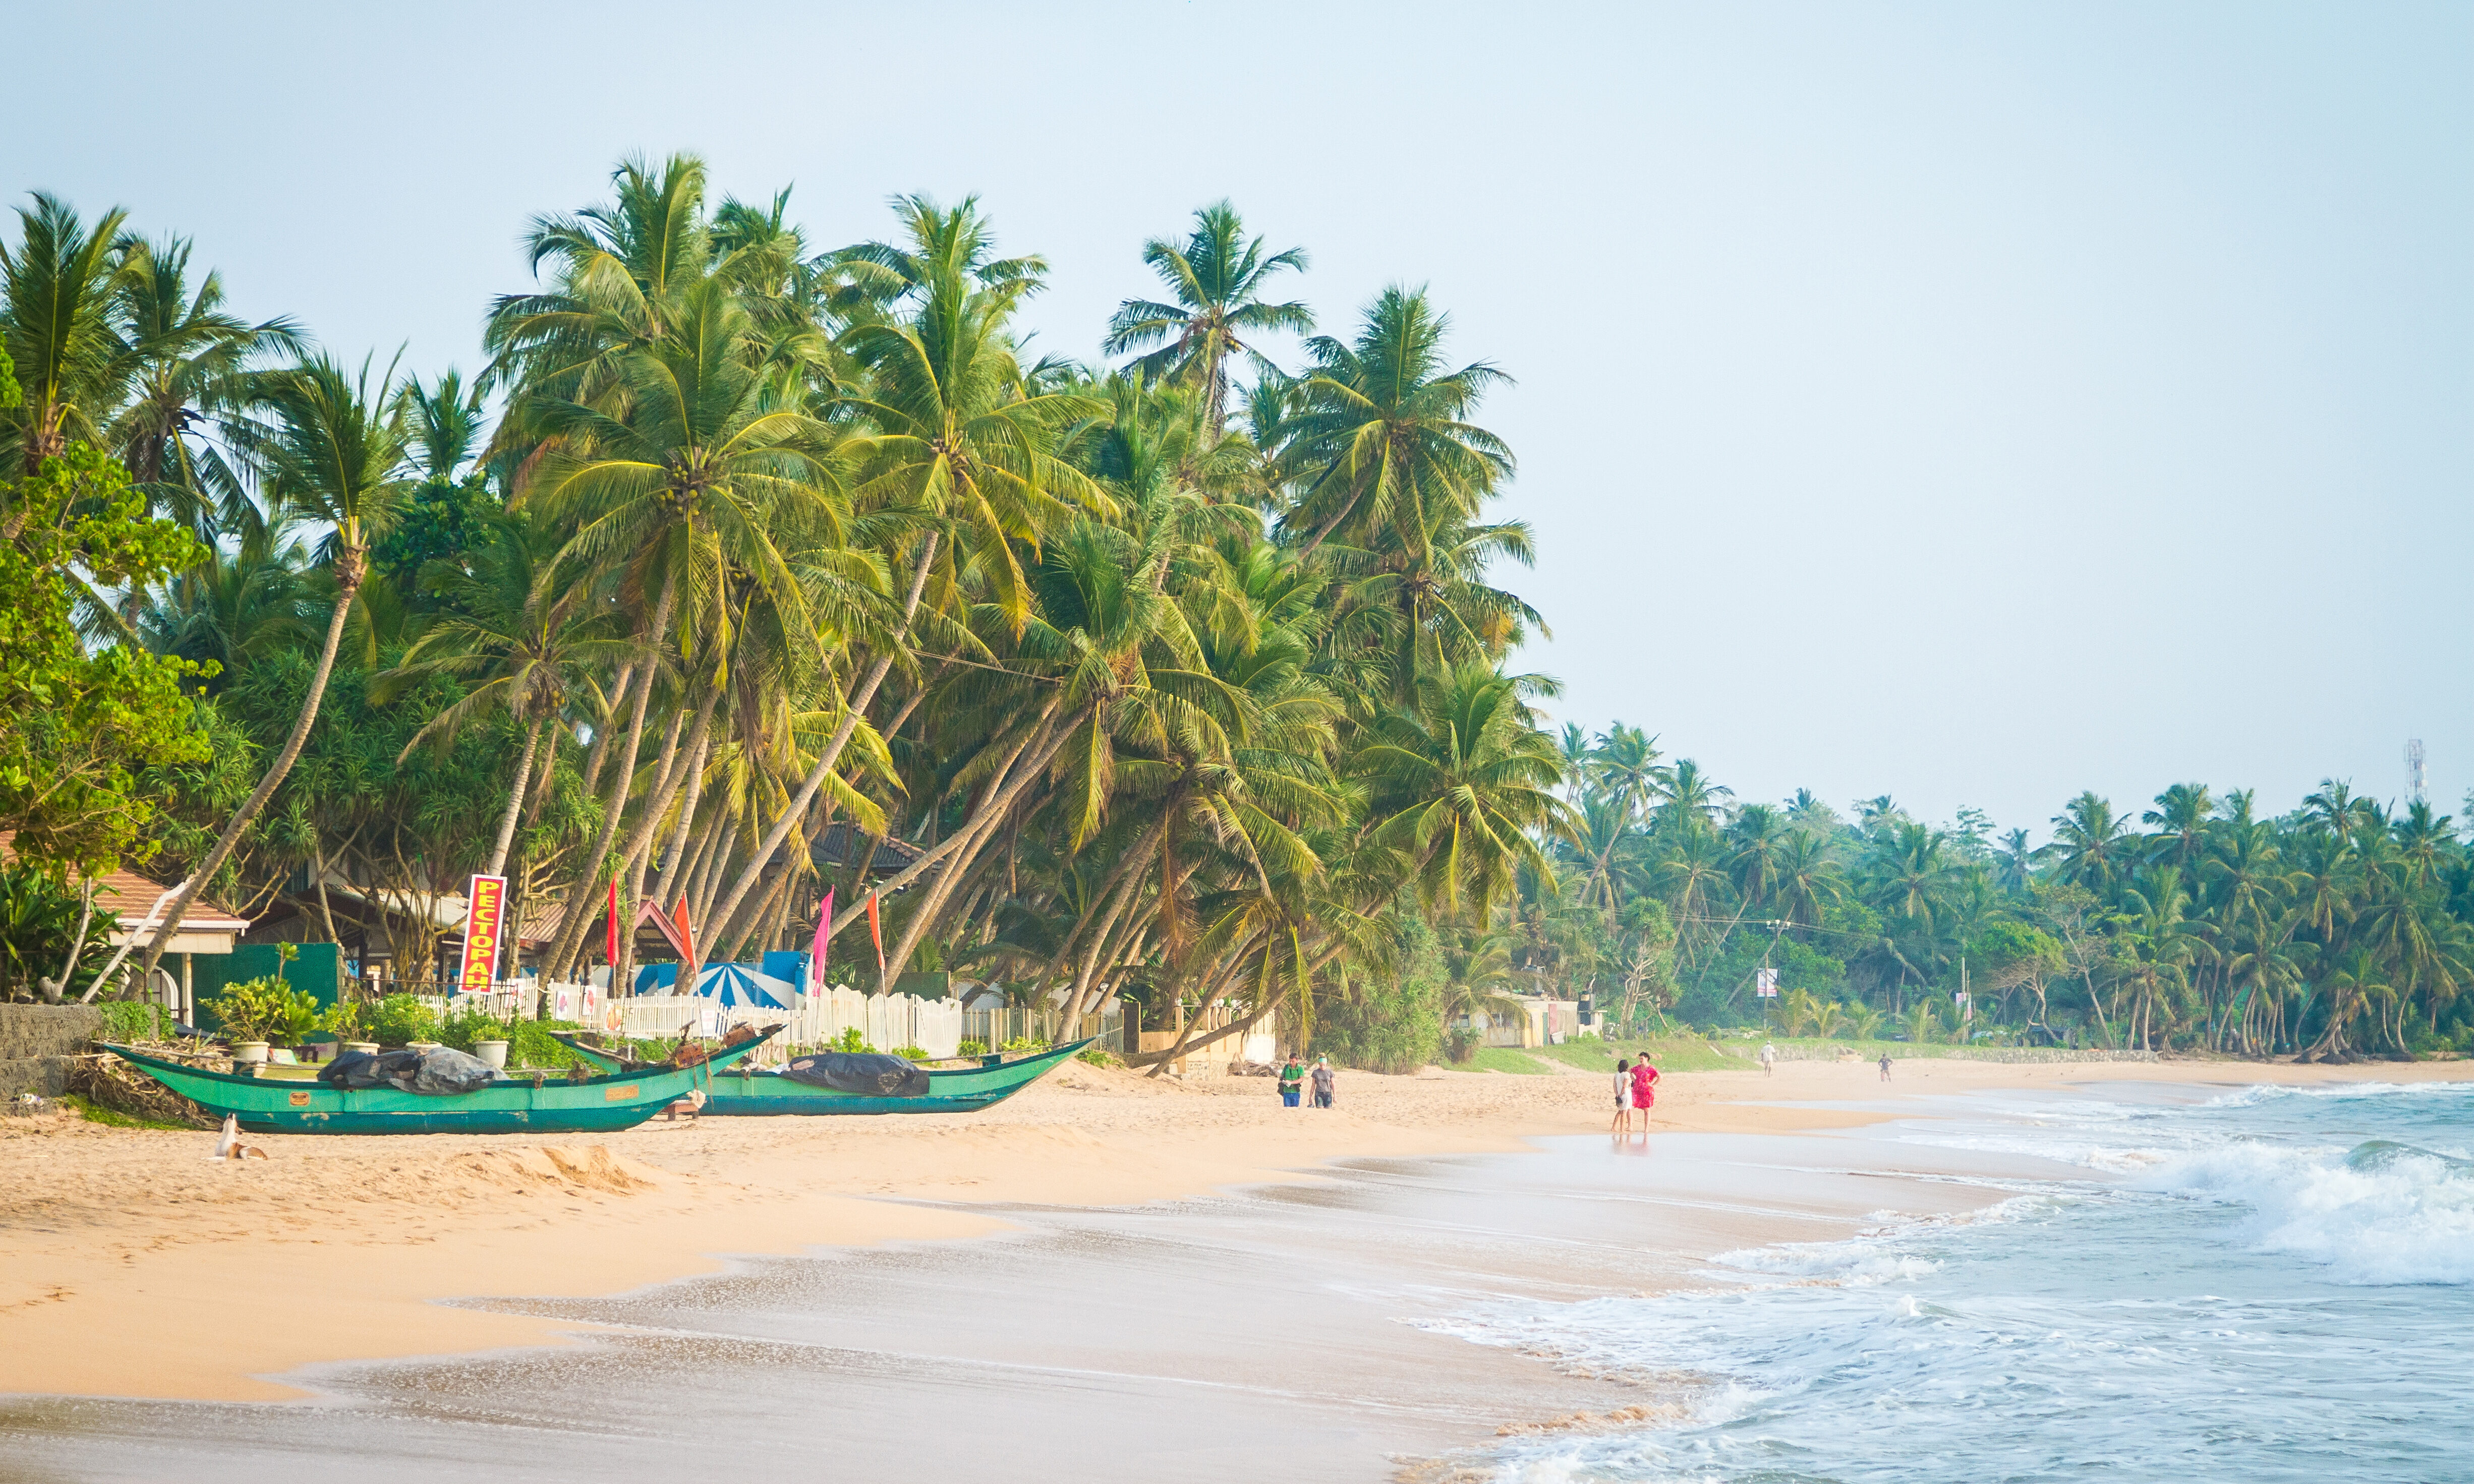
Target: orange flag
pixel 877 934
pixel 687 937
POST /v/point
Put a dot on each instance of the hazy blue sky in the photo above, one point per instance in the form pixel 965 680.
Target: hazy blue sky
pixel 1971 402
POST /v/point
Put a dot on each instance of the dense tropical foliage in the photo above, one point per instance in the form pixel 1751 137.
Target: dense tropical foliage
pixel 1184 678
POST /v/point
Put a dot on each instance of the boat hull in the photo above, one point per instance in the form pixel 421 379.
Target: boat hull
pixel 597 1104
pixel 764 1094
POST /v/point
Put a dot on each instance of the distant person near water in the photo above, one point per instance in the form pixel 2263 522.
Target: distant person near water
pixel 1885 1066
pixel 1322 1080
pixel 1769 1058
pixel 1293 1080
pixel 1624 1098
pixel 1644 1090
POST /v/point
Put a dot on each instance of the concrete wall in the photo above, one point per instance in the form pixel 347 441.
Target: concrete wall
pixel 37 1042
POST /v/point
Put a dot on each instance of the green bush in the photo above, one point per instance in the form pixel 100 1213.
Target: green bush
pixel 263 1009
pixel 400 1020
pixel 1396 1027
pixel 134 1022
pixel 850 1041
pixel 468 1023
pixel 972 1048
pixel 529 1044
pixel 1098 1056
pixel 913 1053
pixel 1023 1043
pixel 344 1020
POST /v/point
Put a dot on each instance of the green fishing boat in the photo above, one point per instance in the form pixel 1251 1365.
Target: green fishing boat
pixel 747 1091
pixel 512 1105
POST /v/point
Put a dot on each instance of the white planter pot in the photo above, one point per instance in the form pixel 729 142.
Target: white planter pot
pixel 248 1053
pixel 493 1052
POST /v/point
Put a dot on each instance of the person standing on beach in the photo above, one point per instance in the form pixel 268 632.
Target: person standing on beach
pixel 1885 1066
pixel 1644 1090
pixel 1322 1080
pixel 1769 1058
pixel 1624 1098
pixel 1293 1079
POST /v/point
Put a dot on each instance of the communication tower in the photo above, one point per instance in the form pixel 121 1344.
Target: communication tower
pixel 2414 781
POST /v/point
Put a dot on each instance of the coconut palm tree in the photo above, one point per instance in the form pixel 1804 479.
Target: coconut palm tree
pixel 1462 787
pixel 60 302
pixel 1216 279
pixel 185 367
pixel 522 637
pixel 1383 446
pixel 2093 845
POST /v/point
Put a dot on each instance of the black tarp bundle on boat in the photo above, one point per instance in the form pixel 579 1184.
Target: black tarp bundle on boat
pixel 855 1071
pixel 436 1071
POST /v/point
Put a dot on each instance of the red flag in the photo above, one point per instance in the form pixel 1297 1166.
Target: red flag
pixel 877 934
pixel 613 949
pixel 687 935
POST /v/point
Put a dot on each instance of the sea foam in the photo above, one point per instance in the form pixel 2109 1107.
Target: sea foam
pixel 2382 1213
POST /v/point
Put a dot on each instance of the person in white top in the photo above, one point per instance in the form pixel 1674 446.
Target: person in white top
pixel 1769 1057
pixel 1624 1098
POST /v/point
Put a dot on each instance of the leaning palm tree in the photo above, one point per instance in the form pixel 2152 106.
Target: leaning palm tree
pixel 959 437
pixel 1216 279
pixel 330 450
pixel 702 483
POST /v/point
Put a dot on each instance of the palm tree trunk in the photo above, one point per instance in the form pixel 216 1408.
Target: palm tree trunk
pixel 515 803
pixel 684 835
pixel 350 569
pixel 1042 745
pixel 833 753
pixel 581 904
pixel 648 823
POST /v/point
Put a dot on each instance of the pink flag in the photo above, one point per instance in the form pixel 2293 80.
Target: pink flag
pixel 824 936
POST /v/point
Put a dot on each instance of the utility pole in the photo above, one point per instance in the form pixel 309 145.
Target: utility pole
pixel 2416 782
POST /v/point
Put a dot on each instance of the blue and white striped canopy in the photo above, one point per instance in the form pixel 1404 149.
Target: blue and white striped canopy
pixel 737 984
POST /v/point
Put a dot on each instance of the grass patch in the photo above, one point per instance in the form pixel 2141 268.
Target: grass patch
pixel 1589 1056
pixel 111 1118
pixel 1677 1054
pixel 1503 1059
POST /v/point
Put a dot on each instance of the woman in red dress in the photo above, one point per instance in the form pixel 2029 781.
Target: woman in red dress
pixel 1644 1090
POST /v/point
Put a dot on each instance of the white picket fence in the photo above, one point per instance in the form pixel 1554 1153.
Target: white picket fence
pixel 888 1022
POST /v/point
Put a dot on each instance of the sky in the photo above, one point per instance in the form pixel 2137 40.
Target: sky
pixel 1974 403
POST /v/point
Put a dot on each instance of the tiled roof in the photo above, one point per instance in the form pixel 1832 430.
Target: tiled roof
pixel 131 896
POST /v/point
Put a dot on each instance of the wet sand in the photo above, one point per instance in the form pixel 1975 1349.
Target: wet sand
pixel 1170 1279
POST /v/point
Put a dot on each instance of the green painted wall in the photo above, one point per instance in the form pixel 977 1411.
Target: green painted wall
pixel 317 968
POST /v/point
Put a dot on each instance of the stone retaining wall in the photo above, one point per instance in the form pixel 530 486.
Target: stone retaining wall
pixel 36 1042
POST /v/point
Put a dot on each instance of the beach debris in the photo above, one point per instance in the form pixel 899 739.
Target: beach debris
pixel 230 1146
pixel 692 1105
pixel 107 1082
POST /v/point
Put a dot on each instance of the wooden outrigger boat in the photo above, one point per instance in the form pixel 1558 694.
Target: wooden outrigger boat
pixel 511 1105
pixel 746 1091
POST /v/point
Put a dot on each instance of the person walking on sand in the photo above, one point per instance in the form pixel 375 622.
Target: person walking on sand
pixel 1769 1058
pixel 1293 1080
pixel 1644 1090
pixel 1885 1066
pixel 1624 1098
pixel 1322 1080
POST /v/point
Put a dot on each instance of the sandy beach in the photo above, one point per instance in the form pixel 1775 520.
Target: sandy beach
pixel 136 1267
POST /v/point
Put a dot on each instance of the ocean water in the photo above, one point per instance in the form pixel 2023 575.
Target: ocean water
pixel 2274 1285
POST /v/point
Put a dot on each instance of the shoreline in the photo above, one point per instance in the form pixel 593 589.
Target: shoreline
pixel 139 1269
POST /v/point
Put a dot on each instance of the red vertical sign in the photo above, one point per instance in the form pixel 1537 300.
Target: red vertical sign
pixel 485 918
